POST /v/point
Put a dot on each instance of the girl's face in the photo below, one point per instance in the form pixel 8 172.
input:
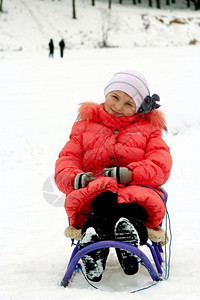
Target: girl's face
pixel 119 104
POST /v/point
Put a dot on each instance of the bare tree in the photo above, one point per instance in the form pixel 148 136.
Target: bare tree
pixel 1 5
pixel 93 2
pixel 73 9
pixel 197 4
pixel 109 4
pixel 158 4
pixel 188 3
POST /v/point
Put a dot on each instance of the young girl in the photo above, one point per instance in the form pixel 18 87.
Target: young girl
pixel 115 153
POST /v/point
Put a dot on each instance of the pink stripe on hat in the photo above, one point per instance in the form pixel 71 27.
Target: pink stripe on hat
pixel 130 82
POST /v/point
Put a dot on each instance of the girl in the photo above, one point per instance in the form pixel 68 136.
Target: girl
pixel 115 153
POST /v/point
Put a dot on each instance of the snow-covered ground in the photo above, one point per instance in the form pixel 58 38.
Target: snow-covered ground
pixel 28 25
pixel 39 99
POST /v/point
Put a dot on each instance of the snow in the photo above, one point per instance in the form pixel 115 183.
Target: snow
pixel 124 25
pixel 39 102
pixel 124 229
pixel 89 236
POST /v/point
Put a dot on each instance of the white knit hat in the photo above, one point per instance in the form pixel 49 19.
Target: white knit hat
pixel 132 83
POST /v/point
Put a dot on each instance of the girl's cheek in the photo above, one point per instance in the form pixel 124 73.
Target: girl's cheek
pixel 107 103
pixel 129 113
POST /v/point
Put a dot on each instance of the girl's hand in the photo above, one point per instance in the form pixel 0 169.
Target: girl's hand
pixel 121 174
pixel 82 179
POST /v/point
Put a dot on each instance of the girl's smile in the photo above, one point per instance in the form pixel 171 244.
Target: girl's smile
pixel 115 112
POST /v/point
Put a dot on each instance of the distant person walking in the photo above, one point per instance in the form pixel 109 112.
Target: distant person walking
pixel 62 46
pixel 51 48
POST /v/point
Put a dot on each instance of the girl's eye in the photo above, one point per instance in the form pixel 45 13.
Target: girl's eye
pixel 115 97
pixel 128 104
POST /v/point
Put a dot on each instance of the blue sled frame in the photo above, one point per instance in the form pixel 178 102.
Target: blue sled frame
pixel 155 249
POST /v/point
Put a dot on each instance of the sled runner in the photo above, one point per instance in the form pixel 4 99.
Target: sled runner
pixel 153 264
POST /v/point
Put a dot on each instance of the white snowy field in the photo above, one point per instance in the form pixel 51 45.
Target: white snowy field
pixel 39 101
pixel 39 98
pixel 27 25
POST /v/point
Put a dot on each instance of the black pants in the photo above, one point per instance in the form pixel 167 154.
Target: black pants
pixel 106 212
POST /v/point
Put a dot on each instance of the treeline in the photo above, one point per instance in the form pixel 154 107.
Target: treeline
pixel 151 3
pixel 188 3
pixel 195 3
pixel 157 3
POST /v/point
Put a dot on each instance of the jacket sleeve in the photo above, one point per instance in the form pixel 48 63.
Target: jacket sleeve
pixel 69 163
pixel 155 168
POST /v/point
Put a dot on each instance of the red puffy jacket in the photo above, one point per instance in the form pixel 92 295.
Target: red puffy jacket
pixel 100 140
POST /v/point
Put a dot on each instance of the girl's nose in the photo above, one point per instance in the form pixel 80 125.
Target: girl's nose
pixel 118 106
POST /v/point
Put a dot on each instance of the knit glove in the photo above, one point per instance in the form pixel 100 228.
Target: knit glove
pixel 82 179
pixel 119 173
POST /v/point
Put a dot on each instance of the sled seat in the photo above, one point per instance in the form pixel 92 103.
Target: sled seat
pixel 154 247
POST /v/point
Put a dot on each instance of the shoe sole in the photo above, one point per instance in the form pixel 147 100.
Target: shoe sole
pixel 126 232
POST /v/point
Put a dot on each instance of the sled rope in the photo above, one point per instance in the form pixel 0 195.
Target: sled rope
pixel 167 261
pixel 135 291
pixel 167 222
pixel 95 287
pixel 161 278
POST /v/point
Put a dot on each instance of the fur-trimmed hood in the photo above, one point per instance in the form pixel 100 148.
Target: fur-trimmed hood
pixel 91 111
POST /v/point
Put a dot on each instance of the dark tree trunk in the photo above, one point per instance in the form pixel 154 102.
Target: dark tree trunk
pixel 73 9
pixel 1 5
pixel 109 4
pixel 158 4
pixel 196 4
